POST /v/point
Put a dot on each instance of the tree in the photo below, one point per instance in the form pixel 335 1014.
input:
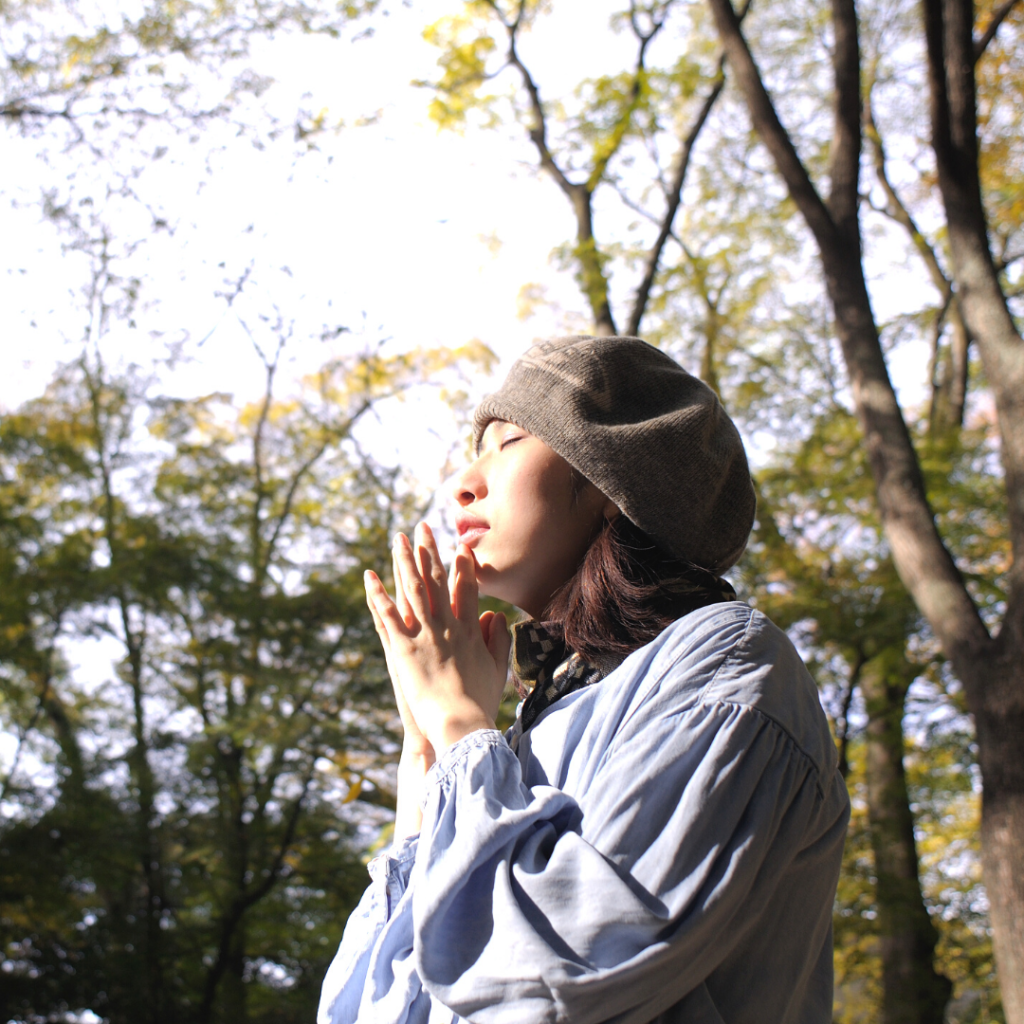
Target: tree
pixel 223 551
pixel 104 101
pixel 817 567
pixel 82 70
pixel 988 664
pixel 615 132
pixel 615 109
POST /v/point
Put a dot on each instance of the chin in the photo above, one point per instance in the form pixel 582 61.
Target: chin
pixel 493 588
pixel 491 585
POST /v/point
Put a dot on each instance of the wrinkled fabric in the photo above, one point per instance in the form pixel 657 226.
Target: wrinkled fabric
pixel 663 845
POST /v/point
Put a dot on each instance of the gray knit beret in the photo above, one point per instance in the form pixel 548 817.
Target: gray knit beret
pixel 651 436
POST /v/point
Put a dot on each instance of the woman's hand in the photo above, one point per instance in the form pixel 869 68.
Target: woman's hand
pixel 417 754
pixel 450 666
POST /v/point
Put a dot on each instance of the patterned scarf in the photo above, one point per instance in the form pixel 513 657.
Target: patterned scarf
pixel 540 657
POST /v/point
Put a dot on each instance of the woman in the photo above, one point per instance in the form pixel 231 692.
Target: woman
pixel 659 836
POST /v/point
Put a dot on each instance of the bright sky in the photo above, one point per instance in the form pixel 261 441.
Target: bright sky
pixel 420 236
pixel 392 230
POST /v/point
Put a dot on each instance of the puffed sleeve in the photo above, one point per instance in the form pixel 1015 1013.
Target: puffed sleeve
pixel 525 908
pixel 526 903
pixel 346 977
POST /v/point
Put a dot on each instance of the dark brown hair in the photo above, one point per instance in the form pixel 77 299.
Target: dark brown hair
pixel 625 592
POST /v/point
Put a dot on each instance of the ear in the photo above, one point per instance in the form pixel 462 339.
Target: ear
pixel 610 510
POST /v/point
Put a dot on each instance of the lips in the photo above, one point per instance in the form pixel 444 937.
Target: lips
pixel 470 528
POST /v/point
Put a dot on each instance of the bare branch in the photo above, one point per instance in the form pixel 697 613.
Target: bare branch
pixel 842 720
pixel 635 94
pixel 595 284
pixel 656 22
pixel 949 389
pixel 675 191
pixel 897 211
pixel 986 37
pixel 20 111
pixel 588 256
pixel 538 131
pixel 768 126
pixel 844 162
pixel 299 475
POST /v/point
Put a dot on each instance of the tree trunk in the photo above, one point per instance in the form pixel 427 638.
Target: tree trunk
pixel 148 851
pixel 913 992
pixel 950 387
pixel 593 281
pixel 1000 728
pixel 991 671
pixel 232 1007
pixel 73 784
pixel 995 685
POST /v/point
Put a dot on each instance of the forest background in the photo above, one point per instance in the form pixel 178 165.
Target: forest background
pixel 262 258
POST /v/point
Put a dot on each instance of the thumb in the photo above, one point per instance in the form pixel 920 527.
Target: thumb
pixel 485 625
pixel 499 641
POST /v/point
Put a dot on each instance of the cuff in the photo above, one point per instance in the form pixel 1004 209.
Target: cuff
pixel 391 870
pixel 457 752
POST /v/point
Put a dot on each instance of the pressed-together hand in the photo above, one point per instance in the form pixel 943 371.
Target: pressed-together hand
pixel 417 753
pixel 448 667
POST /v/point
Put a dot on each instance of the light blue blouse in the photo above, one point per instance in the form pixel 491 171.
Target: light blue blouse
pixel 663 845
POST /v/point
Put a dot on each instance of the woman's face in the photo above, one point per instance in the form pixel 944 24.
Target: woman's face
pixel 520 514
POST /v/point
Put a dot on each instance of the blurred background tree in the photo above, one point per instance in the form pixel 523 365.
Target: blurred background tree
pixel 195 838
pixel 194 844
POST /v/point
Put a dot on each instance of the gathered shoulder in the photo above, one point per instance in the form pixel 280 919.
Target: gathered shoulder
pixel 733 654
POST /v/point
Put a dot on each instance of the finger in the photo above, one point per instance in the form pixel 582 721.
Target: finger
pixel 373 589
pixel 466 593
pixel 412 582
pixel 499 641
pixel 385 608
pixel 451 581
pixel 486 618
pixel 378 622
pixel 404 608
pixel 388 662
pixel 428 561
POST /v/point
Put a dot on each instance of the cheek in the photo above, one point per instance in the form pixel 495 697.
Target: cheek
pixel 544 499
pixel 559 527
pixel 528 506
pixel 525 524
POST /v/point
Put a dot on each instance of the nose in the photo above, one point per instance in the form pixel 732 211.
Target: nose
pixel 469 485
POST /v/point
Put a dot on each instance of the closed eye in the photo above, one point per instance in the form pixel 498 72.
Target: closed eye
pixel 506 441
